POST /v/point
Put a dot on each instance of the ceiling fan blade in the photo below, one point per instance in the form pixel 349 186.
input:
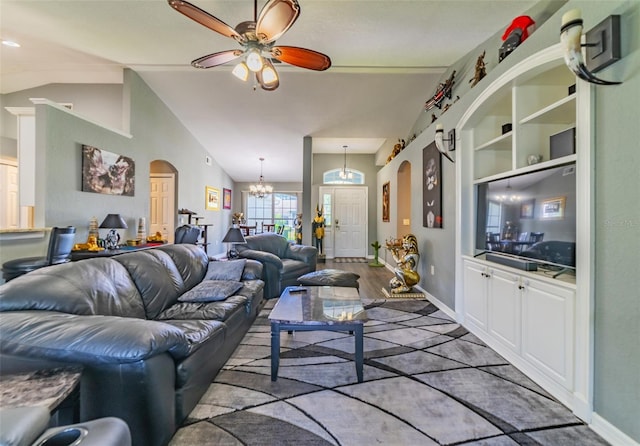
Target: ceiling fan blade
pixel 215 59
pixel 301 57
pixel 275 18
pixel 205 19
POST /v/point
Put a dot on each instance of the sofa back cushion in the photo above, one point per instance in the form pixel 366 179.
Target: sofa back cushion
pixel 99 286
pixel 268 242
pixel 163 274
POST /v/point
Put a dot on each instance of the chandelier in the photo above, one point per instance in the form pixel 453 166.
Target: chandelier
pixel 260 190
pixel 345 174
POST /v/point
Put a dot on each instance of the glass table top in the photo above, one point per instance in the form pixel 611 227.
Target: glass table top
pixel 311 305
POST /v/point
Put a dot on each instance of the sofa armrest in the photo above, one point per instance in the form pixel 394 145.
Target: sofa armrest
pixel 252 270
pixel 262 256
pixel 306 254
pixel 88 340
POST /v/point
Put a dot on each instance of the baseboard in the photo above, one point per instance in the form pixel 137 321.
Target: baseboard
pixel 610 433
pixel 441 306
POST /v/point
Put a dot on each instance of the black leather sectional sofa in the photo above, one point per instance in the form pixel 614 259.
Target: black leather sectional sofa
pixel 147 357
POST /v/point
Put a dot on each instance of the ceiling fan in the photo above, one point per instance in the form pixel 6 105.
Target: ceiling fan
pixel 257 39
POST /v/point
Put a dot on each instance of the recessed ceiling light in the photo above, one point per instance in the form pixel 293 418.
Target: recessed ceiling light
pixel 11 43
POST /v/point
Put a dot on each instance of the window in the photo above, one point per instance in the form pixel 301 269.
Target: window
pixel 333 177
pixel 494 216
pixel 279 208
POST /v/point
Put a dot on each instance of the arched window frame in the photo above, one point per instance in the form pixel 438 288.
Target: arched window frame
pixel 333 177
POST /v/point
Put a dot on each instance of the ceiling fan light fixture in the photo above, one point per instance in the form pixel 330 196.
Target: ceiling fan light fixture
pixel 254 60
pixel 241 71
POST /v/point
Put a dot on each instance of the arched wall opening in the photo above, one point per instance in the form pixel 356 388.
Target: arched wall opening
pixel 403 198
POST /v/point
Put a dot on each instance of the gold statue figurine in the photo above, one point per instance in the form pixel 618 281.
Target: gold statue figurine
pixel 317 227
pixel 406 257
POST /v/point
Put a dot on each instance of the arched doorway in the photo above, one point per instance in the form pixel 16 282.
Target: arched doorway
pixel 403 198
pixel 163 191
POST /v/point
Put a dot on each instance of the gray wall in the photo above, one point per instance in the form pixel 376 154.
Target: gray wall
pixel 617 205
pixel 156 135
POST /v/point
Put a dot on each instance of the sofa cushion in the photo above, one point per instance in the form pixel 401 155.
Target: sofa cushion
pixel 330 277
pixel 198 332
pixel 231 270
pixel 218 311
pixel 211 291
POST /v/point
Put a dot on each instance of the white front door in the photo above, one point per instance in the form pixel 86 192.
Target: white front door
pixel 162 205
pixel 350 221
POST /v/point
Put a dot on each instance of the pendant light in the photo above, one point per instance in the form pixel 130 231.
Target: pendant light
pixel 345 174
pixel 260 190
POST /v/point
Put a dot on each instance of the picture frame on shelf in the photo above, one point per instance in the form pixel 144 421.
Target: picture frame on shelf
pixel 527 208
pixel 553 208
pixel 386 191
pixel 226 198
pixel 212 198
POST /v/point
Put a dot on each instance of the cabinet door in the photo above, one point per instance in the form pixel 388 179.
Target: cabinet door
pixel 548 326
pixel 475 295
pixel 504 308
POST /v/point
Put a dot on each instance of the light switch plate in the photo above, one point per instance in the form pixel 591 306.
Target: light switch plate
pixel 606 37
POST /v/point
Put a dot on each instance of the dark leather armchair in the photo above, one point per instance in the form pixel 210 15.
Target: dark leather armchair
pixel 61 243
pixel 188 234
pixel 282 261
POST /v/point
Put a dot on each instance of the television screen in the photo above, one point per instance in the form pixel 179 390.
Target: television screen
pixel 532 216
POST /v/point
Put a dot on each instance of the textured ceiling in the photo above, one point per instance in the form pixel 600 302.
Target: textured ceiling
pixel 387 58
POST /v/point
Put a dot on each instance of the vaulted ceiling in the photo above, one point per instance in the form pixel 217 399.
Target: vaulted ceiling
pixel 387 57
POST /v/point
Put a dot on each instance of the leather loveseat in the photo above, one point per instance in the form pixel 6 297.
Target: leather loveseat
pixel 283 262
pixel 147 357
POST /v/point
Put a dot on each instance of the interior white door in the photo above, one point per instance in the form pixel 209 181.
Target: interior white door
pixel 162 205
pixel 350 221
pixel 10 217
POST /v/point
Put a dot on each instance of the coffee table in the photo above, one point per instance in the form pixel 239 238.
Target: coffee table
pixel 318 308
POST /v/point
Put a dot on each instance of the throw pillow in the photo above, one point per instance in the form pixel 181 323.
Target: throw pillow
pixel 230 270
pixel 211 290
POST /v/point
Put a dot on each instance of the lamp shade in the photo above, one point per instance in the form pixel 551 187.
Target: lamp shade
pixel 114 221
pixel 234 235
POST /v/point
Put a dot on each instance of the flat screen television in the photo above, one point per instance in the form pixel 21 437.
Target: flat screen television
pixel 530 216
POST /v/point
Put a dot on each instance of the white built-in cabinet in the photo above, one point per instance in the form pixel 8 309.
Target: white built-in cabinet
pixel 526 316
pixel 539 323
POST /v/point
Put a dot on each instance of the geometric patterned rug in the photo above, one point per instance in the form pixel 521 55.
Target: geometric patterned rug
pixel 427 381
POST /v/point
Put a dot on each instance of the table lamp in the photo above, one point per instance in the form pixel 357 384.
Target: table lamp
pixel 234 235
pixel 113 222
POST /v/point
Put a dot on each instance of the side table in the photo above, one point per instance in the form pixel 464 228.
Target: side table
pixel 56 389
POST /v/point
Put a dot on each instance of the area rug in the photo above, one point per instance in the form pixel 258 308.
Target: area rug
pixel 350 260
pixel 427 381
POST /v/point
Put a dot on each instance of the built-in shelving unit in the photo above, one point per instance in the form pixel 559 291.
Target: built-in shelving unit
pixel 538 322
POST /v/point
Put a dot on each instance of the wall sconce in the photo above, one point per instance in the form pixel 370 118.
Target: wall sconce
pixel 602 43
pixel 451 141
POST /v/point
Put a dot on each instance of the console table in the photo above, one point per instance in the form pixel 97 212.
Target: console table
pixel 81 255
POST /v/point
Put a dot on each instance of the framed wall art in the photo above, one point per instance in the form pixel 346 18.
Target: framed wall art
pixel 226 198
pixel 527 207
pixel 385 200
pixel 431 187
pixel 105 172
pixel 212 198
pixel 553 208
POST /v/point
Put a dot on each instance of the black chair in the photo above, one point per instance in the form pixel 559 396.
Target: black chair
pixel 61 243
pixel 187 234
pixel 536 237
pixel 493 241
